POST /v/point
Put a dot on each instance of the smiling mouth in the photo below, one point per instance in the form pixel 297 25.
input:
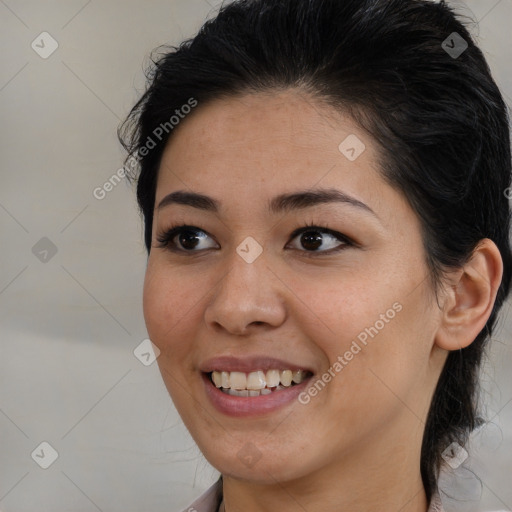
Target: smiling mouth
pixel 258 382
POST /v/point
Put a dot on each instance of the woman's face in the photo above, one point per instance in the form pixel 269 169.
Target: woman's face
pixel 237 291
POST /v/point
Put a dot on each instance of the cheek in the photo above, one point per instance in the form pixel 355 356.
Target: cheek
pixel 385 360
pixel 154 305
pixel 347 305
pixel 167 303
pixel 380 324
pixel 168 310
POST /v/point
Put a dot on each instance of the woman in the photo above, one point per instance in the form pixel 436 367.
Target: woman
pixel 323 186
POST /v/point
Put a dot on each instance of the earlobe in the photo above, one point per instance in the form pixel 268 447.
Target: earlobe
pixel 470 297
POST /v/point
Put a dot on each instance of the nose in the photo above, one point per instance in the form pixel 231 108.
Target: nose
pixel 248 296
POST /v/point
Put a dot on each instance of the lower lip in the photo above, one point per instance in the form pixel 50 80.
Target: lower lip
pixel 242 406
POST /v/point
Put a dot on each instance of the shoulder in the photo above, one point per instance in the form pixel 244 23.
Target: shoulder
pixel 437 506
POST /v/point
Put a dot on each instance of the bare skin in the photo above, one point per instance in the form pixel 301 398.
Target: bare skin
pixel 356 444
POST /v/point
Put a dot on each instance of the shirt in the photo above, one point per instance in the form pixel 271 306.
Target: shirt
pixel 211 499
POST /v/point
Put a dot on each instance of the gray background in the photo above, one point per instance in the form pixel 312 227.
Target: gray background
pixel 70 321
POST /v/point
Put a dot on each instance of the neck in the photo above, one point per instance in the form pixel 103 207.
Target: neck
pixel 359 481
pixel 290 496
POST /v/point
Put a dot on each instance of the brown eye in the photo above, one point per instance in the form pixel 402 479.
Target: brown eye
pixel 314 238
pixel 187 239
pixel 311 240
pixel 182 239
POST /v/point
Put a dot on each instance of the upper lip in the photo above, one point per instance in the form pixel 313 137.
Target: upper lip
pixel 249 364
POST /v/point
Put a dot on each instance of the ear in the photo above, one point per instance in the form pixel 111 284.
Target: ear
pixel 470 296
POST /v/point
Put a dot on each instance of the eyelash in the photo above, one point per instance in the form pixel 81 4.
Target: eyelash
pixel 165 239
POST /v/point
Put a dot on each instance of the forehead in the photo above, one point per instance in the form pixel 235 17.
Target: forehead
pixel 272 121
pixel 264 138
pixel 246 150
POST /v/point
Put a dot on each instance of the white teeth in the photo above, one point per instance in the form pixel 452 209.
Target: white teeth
pixel 217 379
pixel 298 376
pixel 272 378
pixel 256 380
pixel 256 383
pixel 238 392
pixel 286 378
pixel 225 379
pixel 238 380
pixel 251 392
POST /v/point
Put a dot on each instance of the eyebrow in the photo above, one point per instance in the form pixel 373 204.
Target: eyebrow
pixel 280 204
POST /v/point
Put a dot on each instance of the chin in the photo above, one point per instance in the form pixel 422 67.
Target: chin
pixel 268 469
